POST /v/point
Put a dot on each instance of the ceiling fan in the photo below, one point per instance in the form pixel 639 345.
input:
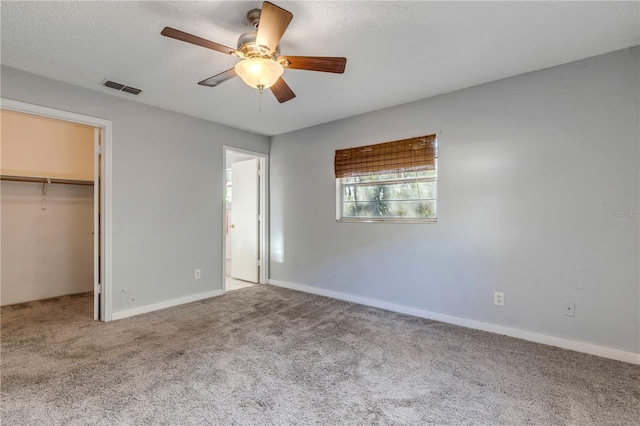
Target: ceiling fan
pixel 262 66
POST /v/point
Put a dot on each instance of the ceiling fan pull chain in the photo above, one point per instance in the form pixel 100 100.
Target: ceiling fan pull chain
pixel 260 90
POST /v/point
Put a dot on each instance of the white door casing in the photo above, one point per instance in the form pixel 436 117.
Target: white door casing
pixel 244 226
pixel 96 225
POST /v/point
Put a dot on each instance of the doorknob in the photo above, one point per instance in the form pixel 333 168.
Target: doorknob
pixel 233 226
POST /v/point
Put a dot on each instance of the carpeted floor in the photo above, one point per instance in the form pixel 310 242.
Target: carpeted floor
pixel 269 356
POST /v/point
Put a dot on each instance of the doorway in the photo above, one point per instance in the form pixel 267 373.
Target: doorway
pixel 245 219
pixel 97 183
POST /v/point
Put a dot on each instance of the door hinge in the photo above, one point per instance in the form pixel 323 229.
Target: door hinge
pixel 259 262
pixel 259 218
pixel 99 149
pixel 99 288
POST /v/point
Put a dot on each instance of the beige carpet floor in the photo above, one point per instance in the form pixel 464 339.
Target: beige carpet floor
pixel 269 356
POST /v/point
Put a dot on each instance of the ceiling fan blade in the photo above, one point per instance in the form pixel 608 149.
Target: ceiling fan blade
pixel 219 78
pixel 273 23
pixel 282 91
pixel 198 41
pixel 315 63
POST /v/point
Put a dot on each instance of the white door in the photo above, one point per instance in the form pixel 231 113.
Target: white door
pixel 244 220
pixel 97 290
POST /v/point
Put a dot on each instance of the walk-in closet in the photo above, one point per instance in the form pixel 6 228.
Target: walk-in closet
pixel 47 211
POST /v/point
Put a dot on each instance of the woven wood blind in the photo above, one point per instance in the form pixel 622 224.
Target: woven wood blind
pixel 405 155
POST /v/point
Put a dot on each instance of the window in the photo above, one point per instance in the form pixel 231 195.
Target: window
pixel 388 182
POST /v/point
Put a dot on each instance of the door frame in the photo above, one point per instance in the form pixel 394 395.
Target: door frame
pixel 106 128
pixel 263 229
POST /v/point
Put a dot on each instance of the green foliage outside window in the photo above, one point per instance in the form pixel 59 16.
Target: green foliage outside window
pixel 410 195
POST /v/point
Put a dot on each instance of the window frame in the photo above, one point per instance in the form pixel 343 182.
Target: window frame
pixel 340 203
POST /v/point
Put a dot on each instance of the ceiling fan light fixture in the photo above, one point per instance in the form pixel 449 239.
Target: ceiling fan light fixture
pixel 261 66
pixel 257 72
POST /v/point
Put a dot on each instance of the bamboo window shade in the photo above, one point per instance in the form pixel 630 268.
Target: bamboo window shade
pixel 415 154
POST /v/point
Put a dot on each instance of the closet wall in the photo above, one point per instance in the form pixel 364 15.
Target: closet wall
pixel 47 246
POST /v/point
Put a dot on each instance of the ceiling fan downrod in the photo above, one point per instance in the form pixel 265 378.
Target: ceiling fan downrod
pixel 253 16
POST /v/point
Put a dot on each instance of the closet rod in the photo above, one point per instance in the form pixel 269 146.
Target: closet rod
pixel 46 180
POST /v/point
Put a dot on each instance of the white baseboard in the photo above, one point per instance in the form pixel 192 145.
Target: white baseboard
pixel 166 304
pixel 589 348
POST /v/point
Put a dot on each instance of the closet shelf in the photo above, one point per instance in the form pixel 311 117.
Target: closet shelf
pixel 46 180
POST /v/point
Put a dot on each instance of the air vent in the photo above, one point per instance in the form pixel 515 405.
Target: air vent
pixel 114 85
pixel 131 90
pixel 121 87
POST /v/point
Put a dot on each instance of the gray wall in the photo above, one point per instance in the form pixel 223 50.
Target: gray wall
pixel 167 189
pixel 528 167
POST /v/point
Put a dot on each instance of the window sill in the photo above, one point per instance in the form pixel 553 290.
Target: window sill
pixel 371 220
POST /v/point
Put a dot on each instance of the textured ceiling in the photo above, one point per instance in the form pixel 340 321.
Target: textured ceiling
pixel 397 52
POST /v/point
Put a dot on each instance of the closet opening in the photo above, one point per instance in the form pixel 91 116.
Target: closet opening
pixel 52 190
pixel 245 221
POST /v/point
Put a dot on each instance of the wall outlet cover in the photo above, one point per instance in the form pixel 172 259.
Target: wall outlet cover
pixel 197 274
pixel 570 309
pixel 498 298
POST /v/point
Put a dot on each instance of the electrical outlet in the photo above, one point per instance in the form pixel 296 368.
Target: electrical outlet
pixel 196 274
pixel 570 309
pixel 498 298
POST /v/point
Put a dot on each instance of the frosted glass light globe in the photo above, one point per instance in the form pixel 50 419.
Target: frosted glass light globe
pixel 258 72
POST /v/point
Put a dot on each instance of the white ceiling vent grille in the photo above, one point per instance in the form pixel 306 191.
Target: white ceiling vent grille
pixel 121 87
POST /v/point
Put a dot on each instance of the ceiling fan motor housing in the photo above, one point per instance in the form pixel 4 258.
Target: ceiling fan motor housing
pixel 250 49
